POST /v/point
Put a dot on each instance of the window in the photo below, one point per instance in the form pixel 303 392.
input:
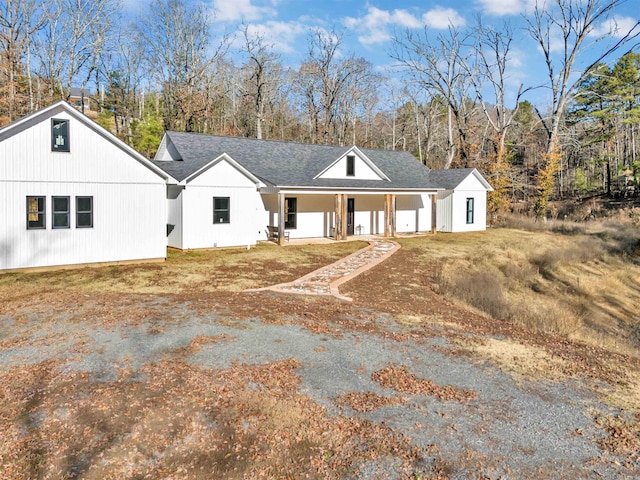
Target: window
pixel 84 212
pixel 35 213
pixel 60 215
pixel 469 210
pixel 290 212
pixel 59 135
pixel 351 165
pixel 221 210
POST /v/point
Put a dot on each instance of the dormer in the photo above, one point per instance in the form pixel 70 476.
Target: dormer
pixel 353 164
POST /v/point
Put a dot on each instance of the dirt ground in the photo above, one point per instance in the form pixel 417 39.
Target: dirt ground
pixel 130 372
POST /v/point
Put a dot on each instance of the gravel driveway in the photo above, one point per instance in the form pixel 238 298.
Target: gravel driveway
pixel 511 429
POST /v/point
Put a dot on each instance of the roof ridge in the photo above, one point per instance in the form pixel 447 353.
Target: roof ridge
pixel 270 140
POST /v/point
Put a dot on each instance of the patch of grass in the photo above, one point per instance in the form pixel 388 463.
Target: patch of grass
pixel 231 270
pixel 480 289
pixel 526 361
pixel 576 283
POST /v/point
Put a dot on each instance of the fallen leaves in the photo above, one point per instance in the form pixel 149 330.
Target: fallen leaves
pixel 400 379
pixel 622 436
pixel 367 401
pixel 178 420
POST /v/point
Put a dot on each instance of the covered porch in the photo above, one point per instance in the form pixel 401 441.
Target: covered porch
pixel 339 214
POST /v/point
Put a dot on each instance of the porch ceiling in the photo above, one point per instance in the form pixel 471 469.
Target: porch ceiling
pixel 353 191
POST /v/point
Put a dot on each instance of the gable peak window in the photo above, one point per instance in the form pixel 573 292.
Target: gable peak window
pixel 59 135
pixel 351 165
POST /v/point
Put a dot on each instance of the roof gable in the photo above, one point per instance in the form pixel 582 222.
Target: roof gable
pixel 230 161
pixel 62 106
pixel 454 178
pixel 364 168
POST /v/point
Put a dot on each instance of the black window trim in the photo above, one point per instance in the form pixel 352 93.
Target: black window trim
pixel 351 165
pixel 470 211
pixel 84 212
pixel 291 225
pixel 41 214
pixel 55 212
pixel 218 211
pixel 67 146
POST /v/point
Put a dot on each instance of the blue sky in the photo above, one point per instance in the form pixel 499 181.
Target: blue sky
pixel 370 25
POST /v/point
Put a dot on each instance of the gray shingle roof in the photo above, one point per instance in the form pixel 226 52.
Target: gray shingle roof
pixel 78 92
pixel 288 164
pixel 449 179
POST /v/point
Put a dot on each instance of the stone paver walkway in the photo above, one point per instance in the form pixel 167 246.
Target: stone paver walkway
pixel 326 280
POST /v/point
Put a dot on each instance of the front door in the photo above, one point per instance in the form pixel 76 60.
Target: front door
pixel 351 210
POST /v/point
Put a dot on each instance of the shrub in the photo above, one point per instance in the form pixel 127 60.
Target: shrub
pixel 545 316
pixel 480 289
pixel 567 228
pixel 547 262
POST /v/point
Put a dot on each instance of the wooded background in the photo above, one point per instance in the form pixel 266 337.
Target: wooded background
pixel 447 101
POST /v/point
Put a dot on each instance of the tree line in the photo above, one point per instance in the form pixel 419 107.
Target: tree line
pixel 450 102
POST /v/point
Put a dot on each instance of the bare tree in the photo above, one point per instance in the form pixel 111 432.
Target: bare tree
pixel 262 81
pixel 178 55
pixel 492 51
pixel 19 20
pixel 438 67
pixel 121 69
pixel 573 22
pixel 325 83
pixel 71 41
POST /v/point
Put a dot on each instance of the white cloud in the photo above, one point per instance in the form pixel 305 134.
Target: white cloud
pixel 374 26
pixel 283 37
pixel 441 18
pixel 243 10
pixel 616 26
pixel 505 7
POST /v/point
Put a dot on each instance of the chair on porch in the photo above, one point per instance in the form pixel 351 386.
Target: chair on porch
pixel 273 234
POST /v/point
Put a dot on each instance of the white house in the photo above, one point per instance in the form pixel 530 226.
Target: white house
pixel 231 191
pixel 72 193
pixel 462 205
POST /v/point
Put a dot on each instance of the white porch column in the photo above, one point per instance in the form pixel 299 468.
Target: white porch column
pixel 434 212
pixel 281 218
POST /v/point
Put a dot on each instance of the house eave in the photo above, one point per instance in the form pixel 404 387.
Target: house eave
pixel 291 189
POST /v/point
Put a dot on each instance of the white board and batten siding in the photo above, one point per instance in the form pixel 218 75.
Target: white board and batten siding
pixel 451 215
pixel 129 197
pixel 195 210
